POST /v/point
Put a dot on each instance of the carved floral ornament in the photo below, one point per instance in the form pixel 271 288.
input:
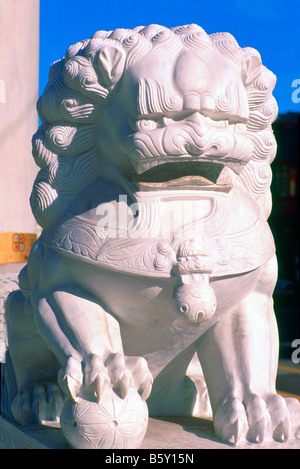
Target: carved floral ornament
pixel 161 244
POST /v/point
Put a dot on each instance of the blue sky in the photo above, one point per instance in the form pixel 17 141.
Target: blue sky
pixel 270 26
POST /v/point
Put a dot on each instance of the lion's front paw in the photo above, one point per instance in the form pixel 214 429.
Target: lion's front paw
pixel 37 404
pixel 280 417
pixel 230 421
pixel 126 372
pixel 119 372
pixel 255 420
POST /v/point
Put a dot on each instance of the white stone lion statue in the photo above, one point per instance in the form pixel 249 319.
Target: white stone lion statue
pixel 153 195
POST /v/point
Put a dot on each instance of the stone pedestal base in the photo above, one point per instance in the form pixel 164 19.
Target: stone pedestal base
pixel 178 433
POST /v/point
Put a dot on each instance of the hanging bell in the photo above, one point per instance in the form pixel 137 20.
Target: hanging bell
pixel 194 299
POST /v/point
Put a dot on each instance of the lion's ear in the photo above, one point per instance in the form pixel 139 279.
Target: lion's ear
pixel 251 65
pixel 111 62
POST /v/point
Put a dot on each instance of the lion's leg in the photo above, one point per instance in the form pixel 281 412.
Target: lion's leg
pixel 71 339
pixel 33 364
pixel 257 341
pixel 218 359
pixel 87 342
pixel 239 358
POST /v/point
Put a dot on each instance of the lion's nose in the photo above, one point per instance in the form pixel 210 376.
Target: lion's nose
pixel 200 315
pixel 191 102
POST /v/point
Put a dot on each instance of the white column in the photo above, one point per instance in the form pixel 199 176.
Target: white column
pixel 19 76
pixel 19 79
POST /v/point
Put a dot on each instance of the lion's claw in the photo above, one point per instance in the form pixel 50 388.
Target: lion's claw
pixel 280 417
pixel 145 388
pixel 264 420
pixel 120 375
pixel 42 402
pixel 21 407
pixel 143 379
pixel 230 421
pixel 55 401
pixel 124 383
pixel 235 431
pixel 257 431
pixel 282 431
pixel 127 372
pixel 70 378
pixel 93 376
pixel 39 404
pixel 258 419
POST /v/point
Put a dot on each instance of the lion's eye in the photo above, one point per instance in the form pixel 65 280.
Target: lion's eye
pixel 142 124
pixel 184 308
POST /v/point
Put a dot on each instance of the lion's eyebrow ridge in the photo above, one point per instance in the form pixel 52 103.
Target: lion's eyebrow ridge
pixel 154 98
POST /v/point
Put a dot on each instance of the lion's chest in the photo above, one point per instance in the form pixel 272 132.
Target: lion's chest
pixel 168 233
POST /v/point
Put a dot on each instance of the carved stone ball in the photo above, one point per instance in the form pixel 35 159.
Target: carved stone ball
pixel 111 423
pixel 195 303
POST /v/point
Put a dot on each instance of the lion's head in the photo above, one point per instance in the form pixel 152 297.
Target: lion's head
pixel 152 104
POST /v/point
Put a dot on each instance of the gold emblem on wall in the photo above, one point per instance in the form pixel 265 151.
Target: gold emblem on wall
pixel 15 247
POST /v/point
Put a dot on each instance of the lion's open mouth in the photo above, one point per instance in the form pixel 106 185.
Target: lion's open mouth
pixel 186 174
